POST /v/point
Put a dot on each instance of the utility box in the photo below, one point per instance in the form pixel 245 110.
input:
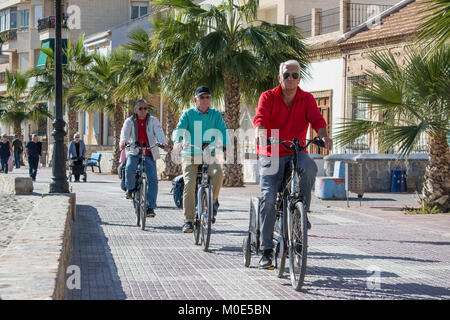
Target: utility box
pixel 354 179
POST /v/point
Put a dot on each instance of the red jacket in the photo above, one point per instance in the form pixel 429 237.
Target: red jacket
pixel 292 122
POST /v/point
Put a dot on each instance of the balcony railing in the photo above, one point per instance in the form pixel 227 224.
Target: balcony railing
pixel 304 24
pixel 361 12
pixel 50 22
pixel 8 35
pixel 330 21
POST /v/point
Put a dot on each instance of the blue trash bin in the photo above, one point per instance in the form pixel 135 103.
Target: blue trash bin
pixel 398 181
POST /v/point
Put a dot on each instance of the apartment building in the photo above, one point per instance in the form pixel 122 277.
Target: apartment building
pixel 26 25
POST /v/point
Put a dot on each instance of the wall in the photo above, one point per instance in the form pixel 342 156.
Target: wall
pixel 327 75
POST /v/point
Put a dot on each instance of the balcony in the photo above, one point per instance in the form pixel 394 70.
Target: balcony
pixel 8 35
pixel 50 22
pixel 343 18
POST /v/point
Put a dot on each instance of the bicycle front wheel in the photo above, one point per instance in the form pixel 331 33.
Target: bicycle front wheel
pixel 205 217
pixel 143 202
pixel 298 244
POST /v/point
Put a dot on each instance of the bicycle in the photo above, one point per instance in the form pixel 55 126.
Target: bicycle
pixel 297 217
pixel 204 216
pixel 291 224
pixel 139 194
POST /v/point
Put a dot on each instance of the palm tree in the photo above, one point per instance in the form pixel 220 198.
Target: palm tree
pixel 411 101
pixel 435 31
pixel 77 61
pixel 227 49
pixel 145 77
pixel 15 107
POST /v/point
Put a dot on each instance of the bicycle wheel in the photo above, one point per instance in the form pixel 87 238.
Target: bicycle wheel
pixel 205 217
pixel 143 202
pixel 281 248
pixel 298 244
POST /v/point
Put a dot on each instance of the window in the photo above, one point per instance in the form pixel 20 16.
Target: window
pixel 24 19
pixel 357 110
pixel 37 15
pixel 138 11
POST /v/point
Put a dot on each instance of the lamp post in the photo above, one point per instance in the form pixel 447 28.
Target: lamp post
pixel 59 182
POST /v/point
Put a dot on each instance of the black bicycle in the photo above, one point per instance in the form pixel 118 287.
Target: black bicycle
pixel 204 199
pixel 292 229
pixel 139 194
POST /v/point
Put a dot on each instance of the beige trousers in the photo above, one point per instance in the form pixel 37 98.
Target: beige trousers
pixel 190 166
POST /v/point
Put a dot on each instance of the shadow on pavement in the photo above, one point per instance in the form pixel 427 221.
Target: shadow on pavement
pixel 92 254
pixel 351 288
pixel 345 256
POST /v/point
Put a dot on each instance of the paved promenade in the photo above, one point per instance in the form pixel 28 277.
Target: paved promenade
pixel 372 251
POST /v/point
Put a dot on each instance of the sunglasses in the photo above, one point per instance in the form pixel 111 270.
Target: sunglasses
pixel 205 97
pixel 287 74
pixel 142 108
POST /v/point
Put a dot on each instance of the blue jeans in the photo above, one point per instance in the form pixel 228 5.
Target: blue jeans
pixel 150 170
pixel 272 173
pixel 17 153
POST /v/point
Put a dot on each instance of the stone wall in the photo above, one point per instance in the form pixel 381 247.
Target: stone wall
pixel 11 184
pixel 34 265
pixel 377 169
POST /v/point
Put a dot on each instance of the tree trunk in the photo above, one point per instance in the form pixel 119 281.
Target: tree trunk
pixel 18 131
pixel 233 175
pixel 436 186
pixel 117 126
pixel 171 170
pixel 72 118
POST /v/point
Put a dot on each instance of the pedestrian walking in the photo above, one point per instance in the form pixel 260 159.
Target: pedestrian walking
pixel 76 153
pixel 33 151
pixel 18 150
pixel 5 152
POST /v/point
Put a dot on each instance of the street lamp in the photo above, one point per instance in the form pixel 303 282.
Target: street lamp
pixel 59 182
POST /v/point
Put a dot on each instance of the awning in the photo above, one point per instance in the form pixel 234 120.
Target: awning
pixel 50 43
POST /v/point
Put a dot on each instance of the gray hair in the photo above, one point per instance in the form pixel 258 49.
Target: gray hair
pixel 76 135
pixel 33 135
pixel 289 63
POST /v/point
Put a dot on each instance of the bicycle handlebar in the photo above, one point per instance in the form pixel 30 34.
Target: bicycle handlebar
pixel 295 143
pixel 144 145
pixel 204 146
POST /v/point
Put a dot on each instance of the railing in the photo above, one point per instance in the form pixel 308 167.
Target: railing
pixel 304 24
pixel 50 23
pixel 361 12
pixel 330 21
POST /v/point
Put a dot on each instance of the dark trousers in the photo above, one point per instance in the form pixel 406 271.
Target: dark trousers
pixel 33 163
pixel 4 161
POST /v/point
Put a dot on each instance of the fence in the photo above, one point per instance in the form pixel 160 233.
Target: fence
pixel 304 24
pixel 330 21
pixel 361 12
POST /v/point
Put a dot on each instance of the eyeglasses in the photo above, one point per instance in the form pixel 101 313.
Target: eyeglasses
pixel 294 75
pixel 205 97
pixel 142 108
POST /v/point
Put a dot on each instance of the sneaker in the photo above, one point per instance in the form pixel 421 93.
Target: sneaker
pixel 128 195
pixel 266 259
pixel 151 213
pixel 188 227
pixel 215 209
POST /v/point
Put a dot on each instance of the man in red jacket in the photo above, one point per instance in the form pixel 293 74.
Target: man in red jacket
pixel 284 112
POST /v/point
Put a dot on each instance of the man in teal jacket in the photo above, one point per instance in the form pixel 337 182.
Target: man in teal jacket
pixel 199 125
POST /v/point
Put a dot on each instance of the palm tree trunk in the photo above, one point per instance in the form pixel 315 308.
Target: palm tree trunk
pixel 117 124
pixel 71 121
pixel 436 187
pixel 18 131
pixel 233 175
pixel 171 169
